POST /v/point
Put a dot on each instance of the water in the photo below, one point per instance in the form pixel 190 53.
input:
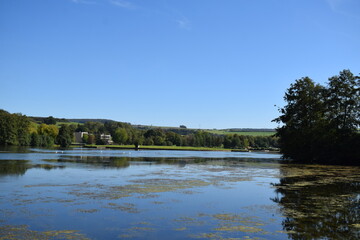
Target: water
pixel 124 194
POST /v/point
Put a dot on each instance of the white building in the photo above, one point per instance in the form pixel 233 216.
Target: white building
pixel 106 138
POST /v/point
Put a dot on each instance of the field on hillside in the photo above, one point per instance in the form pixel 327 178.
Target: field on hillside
pixel 222 132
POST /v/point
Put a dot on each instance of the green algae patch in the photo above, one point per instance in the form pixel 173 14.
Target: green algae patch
pixel 234 218
pixel 240 228
pixel 136 232
pixel 87 210
pixel 148 188
pixel 22 232
pixel 180 229
pixel 206 236
pixel 126 207
pixel 218 236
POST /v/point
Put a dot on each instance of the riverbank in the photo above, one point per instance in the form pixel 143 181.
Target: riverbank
pixel 176 148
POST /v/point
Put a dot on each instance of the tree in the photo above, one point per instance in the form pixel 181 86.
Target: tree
pixel 343 101
pixel 91 139
pixel 320 124
pixel 14 129
pixel 302 114
pixel 120 136
pixel 50 120
pixel 50 130
pixel 65 136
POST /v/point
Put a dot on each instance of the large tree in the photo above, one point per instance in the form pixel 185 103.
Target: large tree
pixel 343 101
pixel 14 129
pixel 120 136
pixel 65 136
pixel 301 118
pixel 320 124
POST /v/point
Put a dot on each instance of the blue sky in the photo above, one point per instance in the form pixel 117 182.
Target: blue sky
pixel 201 63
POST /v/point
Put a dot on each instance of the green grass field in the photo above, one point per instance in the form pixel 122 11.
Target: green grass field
pixel 67 123
pixel 220 132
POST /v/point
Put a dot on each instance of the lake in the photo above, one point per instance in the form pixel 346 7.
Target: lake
pixel 126 194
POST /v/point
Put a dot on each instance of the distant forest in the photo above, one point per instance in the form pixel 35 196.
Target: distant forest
pixel 20 130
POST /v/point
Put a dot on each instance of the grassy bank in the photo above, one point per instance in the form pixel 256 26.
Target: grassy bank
pixel 179 148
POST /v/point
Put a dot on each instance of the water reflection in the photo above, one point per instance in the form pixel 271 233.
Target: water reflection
pixel 19 167
pixel 117 162
pixel 124 162
pixel 13 167
pixel 319 202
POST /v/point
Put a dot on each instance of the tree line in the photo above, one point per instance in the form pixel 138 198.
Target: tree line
pixel 320 123
pixel 19 130
pixel 124 133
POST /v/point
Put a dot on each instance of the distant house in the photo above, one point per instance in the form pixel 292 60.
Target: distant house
pixel 106 138
pixel 79 136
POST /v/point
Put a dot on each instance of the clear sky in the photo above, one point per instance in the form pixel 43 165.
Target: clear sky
pixel 201 63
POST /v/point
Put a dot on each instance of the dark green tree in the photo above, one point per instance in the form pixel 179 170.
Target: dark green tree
pixel 120 136
pixel 320 124
pixel 14 129
pixel 301 116
pixel 50 120
pixel 65 136
pixel 343 101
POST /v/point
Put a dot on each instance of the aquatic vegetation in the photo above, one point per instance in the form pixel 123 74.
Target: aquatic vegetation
pixel 180 229
pixel 126 207
pixel 224 199
pixel 239 228
pixel 322 198
pixel 87 210
pixel 18 232
pixel 135 232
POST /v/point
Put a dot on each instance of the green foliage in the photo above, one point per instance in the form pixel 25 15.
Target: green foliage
pixel 65 136
pixel 320 124
pixel 44 135
pixel 91 139
pixel 50 120
pixel 244 133
pixel 50 130
pixel 120 136
pixel 14 129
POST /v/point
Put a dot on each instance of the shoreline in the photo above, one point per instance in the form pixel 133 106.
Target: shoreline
pixel 177 148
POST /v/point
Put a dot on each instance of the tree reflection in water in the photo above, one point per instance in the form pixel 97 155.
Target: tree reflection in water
pixel 19 167
pixel 319 202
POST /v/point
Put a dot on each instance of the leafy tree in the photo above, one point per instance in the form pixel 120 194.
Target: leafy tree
pixel 50 120
pixel 50 130
pixel 120 136
pixel 320 124
pixel 91 139
pixel 138 140
pixel 85 138
pixel 343 101
pixel 94 127
pixel 35 140
pixel 65 136
pixel 301 115
pixel 14 129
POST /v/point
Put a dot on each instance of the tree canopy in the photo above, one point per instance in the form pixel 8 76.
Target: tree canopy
pixel 320 124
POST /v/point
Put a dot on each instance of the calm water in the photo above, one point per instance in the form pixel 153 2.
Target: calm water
pixel 123 194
